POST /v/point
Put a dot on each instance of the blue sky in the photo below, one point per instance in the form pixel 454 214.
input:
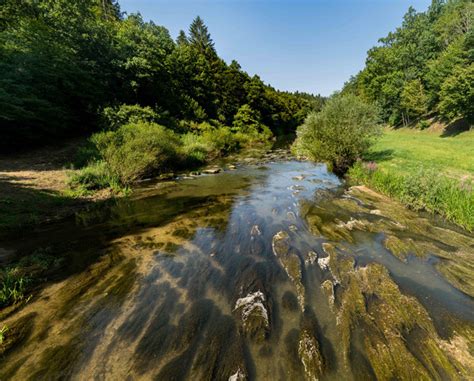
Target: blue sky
pixel 312 46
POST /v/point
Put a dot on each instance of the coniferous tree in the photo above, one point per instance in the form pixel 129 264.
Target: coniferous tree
pixel 199 35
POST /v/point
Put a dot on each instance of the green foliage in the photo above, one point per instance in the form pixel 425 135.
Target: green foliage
pixel 195 150
pixel 413 99
pixel 423 189
pixel 115 117
pixel 96 175
pixel 457 94
pixel 431 51
pixel 339 134
pixel 137 150
pixel 62 62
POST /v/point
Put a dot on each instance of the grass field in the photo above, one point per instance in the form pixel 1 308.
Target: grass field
pixel 406 150
pixel 423 170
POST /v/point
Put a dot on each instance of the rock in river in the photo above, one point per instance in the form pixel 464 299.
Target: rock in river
pixel 254 315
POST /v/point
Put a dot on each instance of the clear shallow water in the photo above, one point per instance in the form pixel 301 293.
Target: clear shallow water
pixel 270 271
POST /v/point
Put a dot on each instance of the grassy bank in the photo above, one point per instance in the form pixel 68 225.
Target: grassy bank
pixel 424 170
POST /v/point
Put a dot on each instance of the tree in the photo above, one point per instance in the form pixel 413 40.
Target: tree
pixel 413 99
pixel 339 134
pixel 457 94
pixel 182 38
pixel 199 36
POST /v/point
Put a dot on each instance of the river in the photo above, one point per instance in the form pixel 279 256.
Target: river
pixel 274 270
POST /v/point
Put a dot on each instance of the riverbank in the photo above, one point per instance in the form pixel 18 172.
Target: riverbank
pixel 34 187
pixel 430 170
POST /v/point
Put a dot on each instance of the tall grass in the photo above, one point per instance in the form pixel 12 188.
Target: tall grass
pixel 423 189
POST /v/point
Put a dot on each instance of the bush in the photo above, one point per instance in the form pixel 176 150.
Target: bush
pixel 220 140
pixel 339 134
pixel 137 150
pixel 194 150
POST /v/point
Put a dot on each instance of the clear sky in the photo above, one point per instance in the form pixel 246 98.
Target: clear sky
pixel 312 46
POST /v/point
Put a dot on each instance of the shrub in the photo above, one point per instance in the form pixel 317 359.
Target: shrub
pixel 194 150
pixel 339 134
pixel 220 140
pixel 137 150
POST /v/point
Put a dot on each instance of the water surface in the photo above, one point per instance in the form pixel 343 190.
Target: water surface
pixel 273 271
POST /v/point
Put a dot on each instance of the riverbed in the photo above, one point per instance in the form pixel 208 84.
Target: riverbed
pixel 272 270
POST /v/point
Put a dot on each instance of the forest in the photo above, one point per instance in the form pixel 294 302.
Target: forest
pixel 425 67
pixel 67 66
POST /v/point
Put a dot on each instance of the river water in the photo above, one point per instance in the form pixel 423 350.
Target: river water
pixel 273 271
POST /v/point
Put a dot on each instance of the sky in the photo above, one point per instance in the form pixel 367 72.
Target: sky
pixel 312 46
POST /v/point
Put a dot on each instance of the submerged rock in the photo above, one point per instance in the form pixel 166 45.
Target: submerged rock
pixel 238 376
pixel 311 258
pixel 254 315
pixel 310 356
pixel 211 171
pixel 328 289
pixel 255 231
pixel 291 262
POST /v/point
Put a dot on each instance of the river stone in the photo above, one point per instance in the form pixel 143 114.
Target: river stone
pixel 290 261
pixel 255 231
pixel 310 355
pixel 254 315
pixel 238 376
pixel 211 171
pixel 328 289
pixel 311 257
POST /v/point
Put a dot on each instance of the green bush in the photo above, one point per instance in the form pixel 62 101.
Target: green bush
pixel 137 150
pixel 194 149
pixel 339 134
pixel 423 190
pixel 220 140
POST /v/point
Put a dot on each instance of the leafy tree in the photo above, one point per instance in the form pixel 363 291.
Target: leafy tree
pixel 413 99
pixel 339 134
pixel 457 94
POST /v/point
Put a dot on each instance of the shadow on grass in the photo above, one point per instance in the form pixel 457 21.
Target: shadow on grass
pixel 455 128
pixel 379 156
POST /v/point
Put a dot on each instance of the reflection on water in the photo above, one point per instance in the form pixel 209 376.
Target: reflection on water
pixel 269 272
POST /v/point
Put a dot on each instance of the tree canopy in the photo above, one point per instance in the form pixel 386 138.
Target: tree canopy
pixel 63 62
pixel 424 66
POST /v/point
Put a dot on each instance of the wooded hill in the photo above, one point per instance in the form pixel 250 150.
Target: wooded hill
pixel 63 62
pixel 424 67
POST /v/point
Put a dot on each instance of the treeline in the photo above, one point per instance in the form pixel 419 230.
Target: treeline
pixel 62 63
pixel 424 67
